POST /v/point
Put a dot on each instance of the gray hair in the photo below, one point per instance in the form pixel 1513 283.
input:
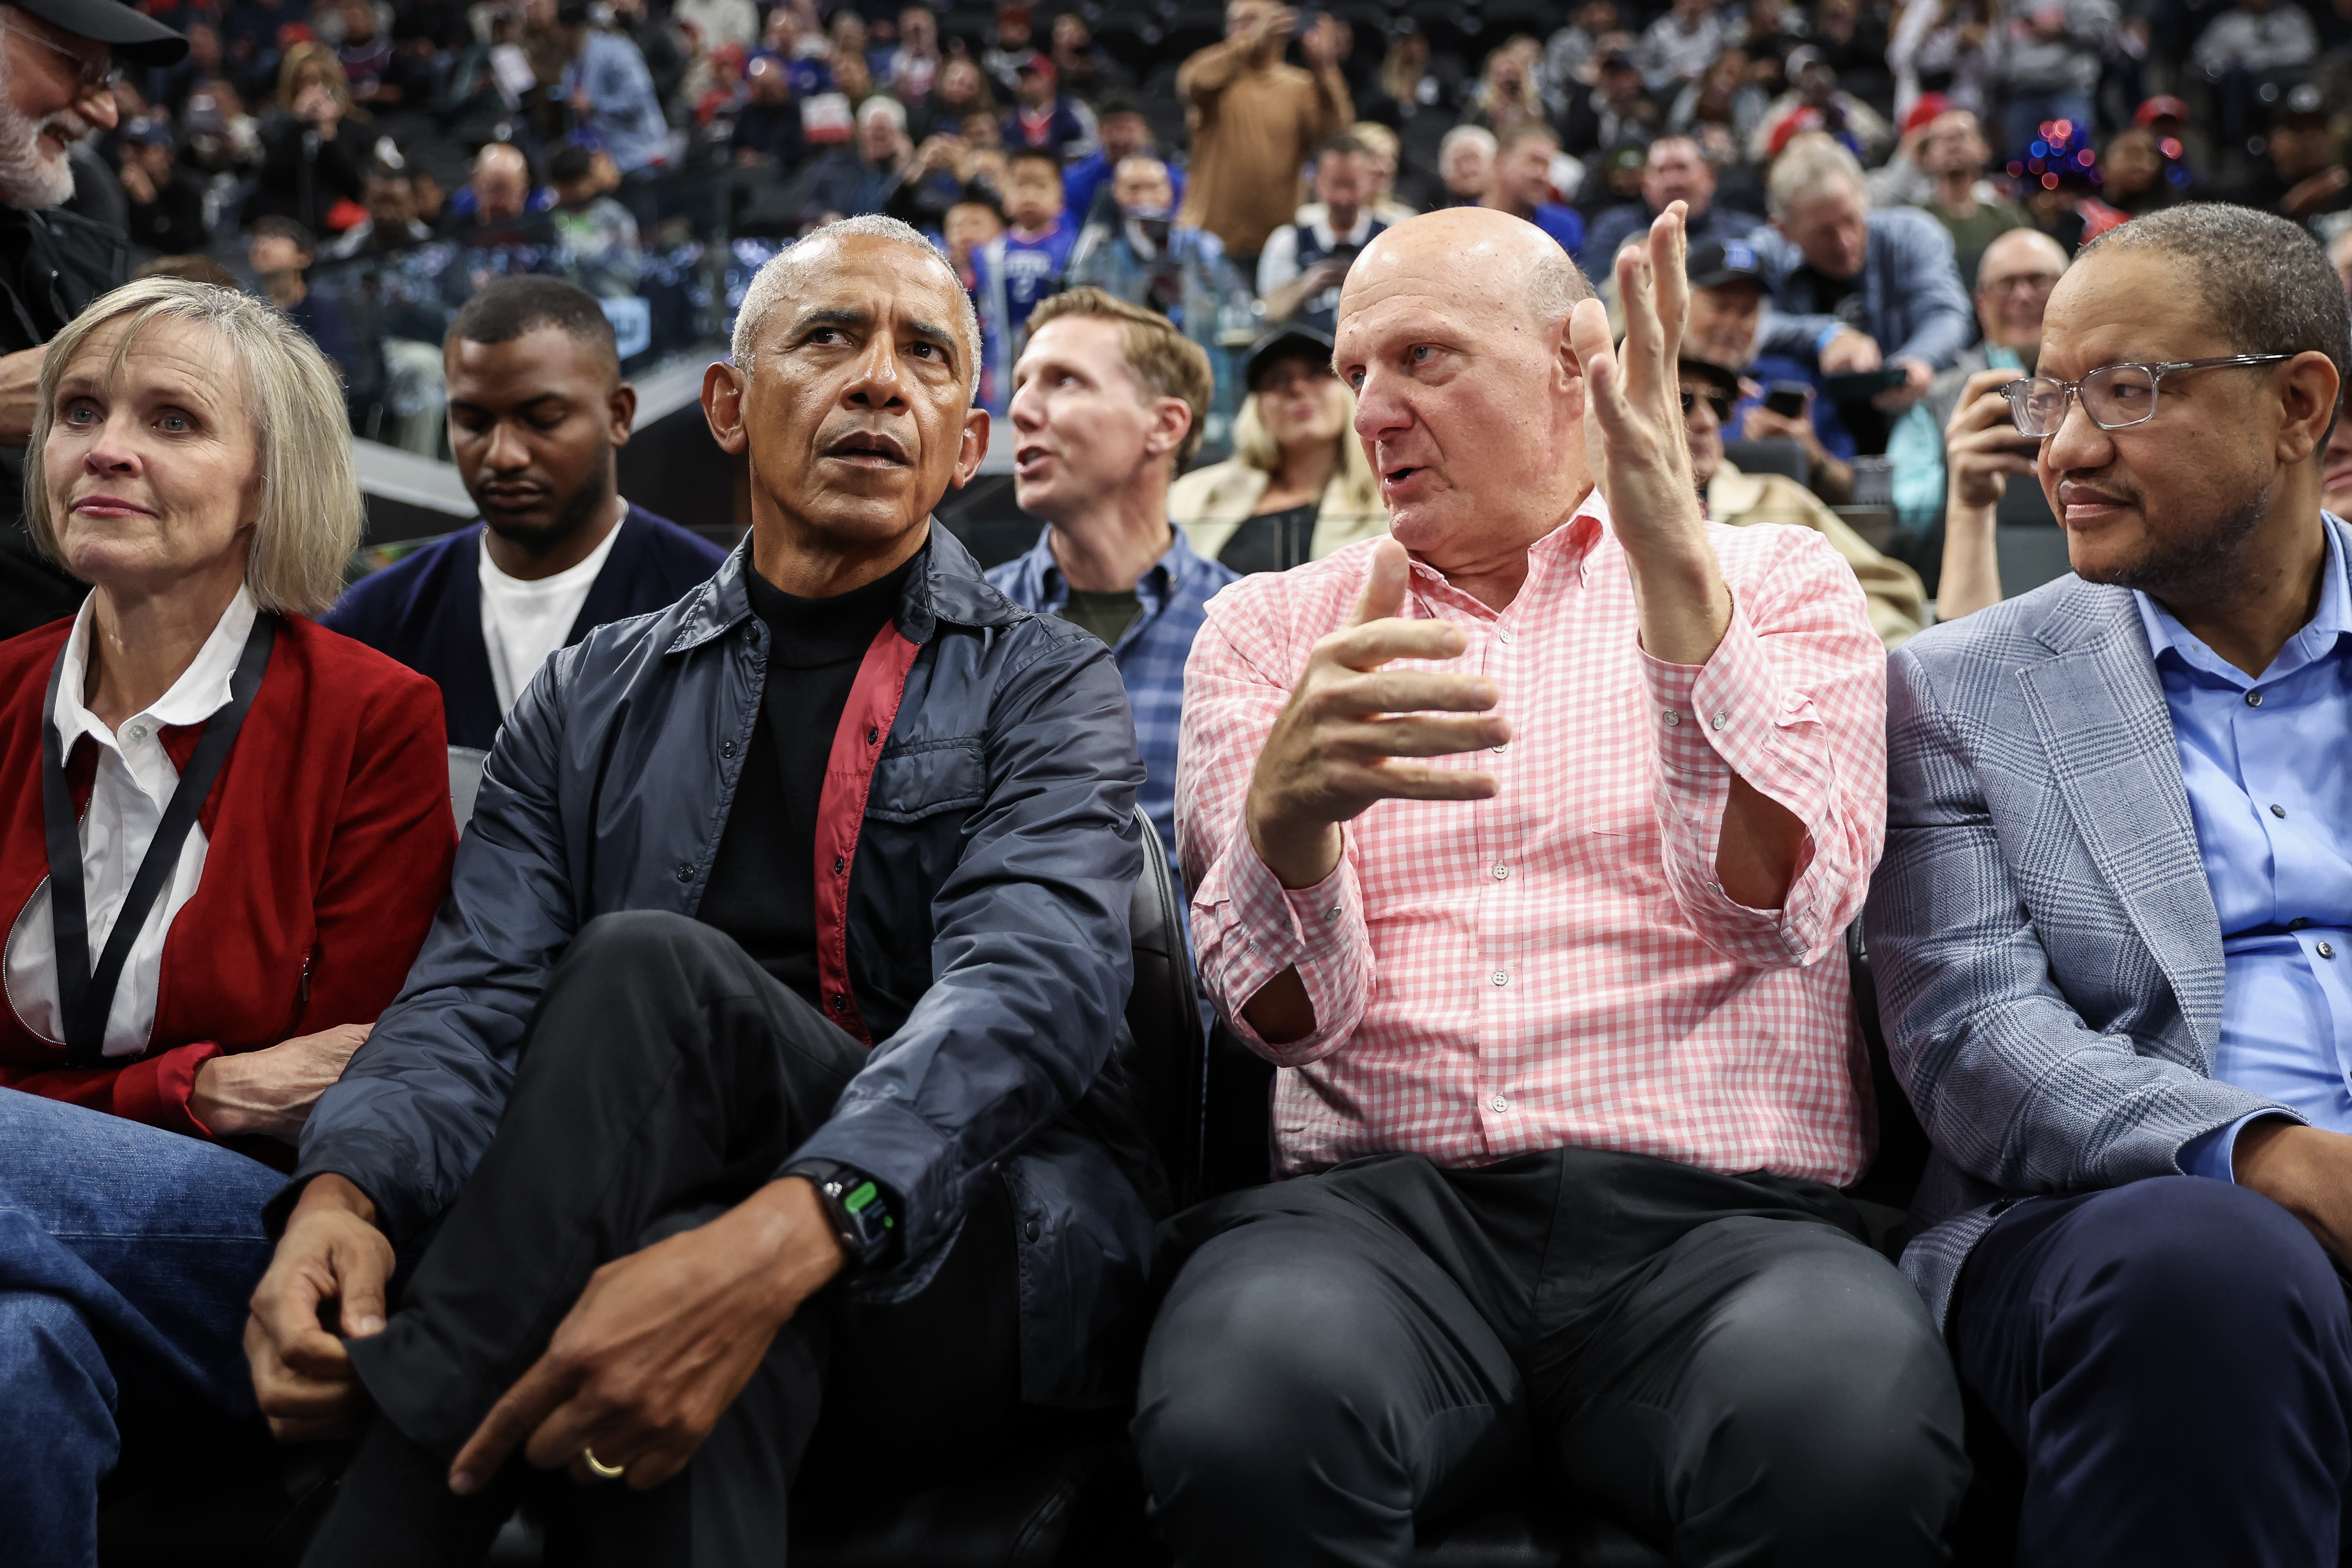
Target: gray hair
pixel 1460 133
pixel 1555 286
pixel 1808 166
pixel 774 280
pixel 884 107
pixel 311 505
pixel 2267 284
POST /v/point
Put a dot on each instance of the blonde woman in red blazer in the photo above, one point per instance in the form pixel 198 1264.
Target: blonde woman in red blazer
pixel 251 816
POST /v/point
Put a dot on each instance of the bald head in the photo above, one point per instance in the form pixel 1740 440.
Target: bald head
pixel 1474 249
pixel 501 183
pixel 1453 329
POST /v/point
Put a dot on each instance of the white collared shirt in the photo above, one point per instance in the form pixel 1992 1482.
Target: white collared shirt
pixel 133 786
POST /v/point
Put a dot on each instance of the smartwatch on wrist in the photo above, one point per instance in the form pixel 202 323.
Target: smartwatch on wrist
pixel 859 1210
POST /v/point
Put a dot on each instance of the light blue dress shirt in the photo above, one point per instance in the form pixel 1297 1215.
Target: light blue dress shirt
pixel 2265 764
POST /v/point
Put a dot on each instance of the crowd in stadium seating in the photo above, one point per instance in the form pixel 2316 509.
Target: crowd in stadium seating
pixel 1586 643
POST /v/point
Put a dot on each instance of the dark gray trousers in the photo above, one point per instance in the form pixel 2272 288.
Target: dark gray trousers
pixel 1722 1363
pixel 667 1078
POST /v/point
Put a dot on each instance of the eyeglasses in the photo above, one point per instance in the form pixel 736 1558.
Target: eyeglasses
pixel 1721 402
pixel 95 74
pixel 2116 396
pixel 2019 283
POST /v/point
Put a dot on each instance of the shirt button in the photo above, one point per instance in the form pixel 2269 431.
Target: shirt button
pixel 1502 872
pixel 1500 977
pixel 873 737
pixel 138 731
pixel 685 873
pixel 2254 698
pixel 1332 913
pixel 1673 719
pixel 2278 811
pixel 1499 1104
pixel 1502 636
pixel 1722 720
pixel 2327 950
pixel 726 748
pixel 1504 747
pixel 1030 1230
pixel 838 862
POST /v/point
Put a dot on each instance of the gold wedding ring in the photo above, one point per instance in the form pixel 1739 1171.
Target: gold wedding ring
pixel 603 1471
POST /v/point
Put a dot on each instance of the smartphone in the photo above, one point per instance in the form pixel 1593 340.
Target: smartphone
pixel 1787 398
pixel 1862 385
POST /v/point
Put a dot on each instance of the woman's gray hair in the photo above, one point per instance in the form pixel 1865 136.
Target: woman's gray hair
pixel 775 279
pixel 312 512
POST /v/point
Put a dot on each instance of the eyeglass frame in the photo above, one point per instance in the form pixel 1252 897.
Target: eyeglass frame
pixel 2072 391
pixel 106 76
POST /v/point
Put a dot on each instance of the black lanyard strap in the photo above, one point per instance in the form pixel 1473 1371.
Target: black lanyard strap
pixel 84 998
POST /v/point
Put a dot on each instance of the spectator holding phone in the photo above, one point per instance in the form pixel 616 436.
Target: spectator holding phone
pixel 2013 283
pixel 1778 401
pixel 1300 270
pixel 1855 289
pixel 1254 118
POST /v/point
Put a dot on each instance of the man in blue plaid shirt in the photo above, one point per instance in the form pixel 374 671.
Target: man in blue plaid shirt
pixel 1108 401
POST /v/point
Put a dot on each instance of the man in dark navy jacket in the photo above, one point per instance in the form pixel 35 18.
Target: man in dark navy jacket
pixel 757 1102
pixel 537 412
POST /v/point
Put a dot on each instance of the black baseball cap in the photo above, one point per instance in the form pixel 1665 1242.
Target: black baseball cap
pixel 135 38
pixel 1722 262
pixel 1721 377
pixel 1282 343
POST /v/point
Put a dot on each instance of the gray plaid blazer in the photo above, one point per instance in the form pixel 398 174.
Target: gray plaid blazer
pixel 2048 960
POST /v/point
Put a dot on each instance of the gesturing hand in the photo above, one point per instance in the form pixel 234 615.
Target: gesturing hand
pixel 1634 443
pixel 660 1343
pixel 1340 741
pixel 1638 454
pixel 331 1252
pixel 1982 444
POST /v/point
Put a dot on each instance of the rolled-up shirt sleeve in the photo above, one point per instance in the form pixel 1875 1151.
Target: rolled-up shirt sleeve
pixel 1794 701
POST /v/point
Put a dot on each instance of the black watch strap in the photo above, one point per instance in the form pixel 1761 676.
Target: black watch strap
pixel 861 1210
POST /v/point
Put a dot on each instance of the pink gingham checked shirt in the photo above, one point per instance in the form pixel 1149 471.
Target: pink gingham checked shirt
pixel 1559 966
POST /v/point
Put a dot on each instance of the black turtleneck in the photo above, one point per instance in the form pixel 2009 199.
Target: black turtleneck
pixel 763 889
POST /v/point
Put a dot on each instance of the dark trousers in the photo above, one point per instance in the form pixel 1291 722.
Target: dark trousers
pixel 2173 1358
pixel 667 1077
pixel 1720 1362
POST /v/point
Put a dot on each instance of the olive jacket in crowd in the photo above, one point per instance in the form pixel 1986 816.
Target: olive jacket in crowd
pixel 976 852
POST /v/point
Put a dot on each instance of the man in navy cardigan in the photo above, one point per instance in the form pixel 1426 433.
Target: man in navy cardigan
pixel 537 411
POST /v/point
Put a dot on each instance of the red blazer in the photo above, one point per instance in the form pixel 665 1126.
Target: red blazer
pixel 330 840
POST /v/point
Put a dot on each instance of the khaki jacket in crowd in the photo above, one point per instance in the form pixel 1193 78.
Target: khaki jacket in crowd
pixel 1209 503
pixel 1898 600
pixel 1254 128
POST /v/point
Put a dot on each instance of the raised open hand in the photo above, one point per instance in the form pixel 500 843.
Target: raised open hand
pixel 1634 438
pixel 1637 453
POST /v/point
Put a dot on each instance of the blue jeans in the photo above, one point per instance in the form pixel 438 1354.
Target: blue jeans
pixel 125 1252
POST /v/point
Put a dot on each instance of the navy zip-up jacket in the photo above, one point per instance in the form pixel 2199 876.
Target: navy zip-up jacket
pixel 979 935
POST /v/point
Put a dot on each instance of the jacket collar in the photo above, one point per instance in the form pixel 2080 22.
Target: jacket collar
pixel 950 588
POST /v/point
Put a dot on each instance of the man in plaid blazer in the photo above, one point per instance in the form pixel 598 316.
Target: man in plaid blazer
pixel 2113 925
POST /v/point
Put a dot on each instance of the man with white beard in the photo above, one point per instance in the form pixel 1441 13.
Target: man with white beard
pixel 59 59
